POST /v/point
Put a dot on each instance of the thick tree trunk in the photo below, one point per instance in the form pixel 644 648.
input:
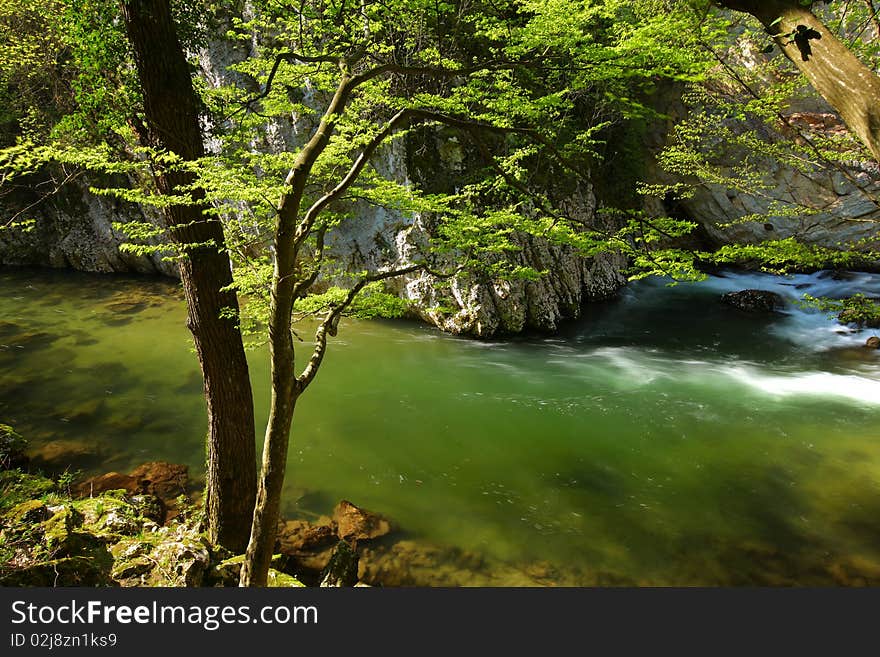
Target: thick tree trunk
pixel 172 118
pixel 849 86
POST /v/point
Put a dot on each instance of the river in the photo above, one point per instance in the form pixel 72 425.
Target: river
pixel 663 439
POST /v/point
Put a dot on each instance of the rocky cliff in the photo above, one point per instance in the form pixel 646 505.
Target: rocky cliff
pixel 836 205
pixel 74 229
pixel 71 228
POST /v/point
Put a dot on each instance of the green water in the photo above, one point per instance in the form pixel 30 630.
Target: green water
pixel 665 439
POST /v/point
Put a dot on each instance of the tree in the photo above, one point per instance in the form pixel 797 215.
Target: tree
pixel 529 85
pixel 493 75
pixel 849 86
pixel 84 106
pixel 171 113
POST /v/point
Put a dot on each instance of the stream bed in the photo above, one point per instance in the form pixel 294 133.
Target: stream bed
pixel 664 439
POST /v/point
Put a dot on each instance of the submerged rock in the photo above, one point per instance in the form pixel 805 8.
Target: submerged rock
pixel 301 535
pixel 754 301
pixel 63 453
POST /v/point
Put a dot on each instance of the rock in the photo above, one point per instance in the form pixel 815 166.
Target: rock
pixel 17 487
pixel 81 412
pixel 754 301
pixel 412 563
pixel 59 529
pixel 873 342
pixel 858 317
pixel 79 571
pixel 62 453
pixel 181 559
pixel 302 536
pixel 226 573
pixel 343 567
pixel 149 506
pixel 277 579
pixel 358 524
pixel 29 512
pixel 74 229
pixel 162 479
pixel 131 572
pixel 106 482
pixel 109 516
pixel 12 448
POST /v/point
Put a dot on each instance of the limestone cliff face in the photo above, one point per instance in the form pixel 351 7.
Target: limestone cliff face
pixel 379 237
pixel 841 207
pixel 466 304
pixel 828 204
pixel 73 229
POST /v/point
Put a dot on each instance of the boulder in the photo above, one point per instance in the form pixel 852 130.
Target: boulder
pixel 754 301
pixel 105 482
pixel 149 506
pixel 180 558
pixel 873 342
pixel 162 479
pixel 353 523
pixel 29 512
pixel 303 536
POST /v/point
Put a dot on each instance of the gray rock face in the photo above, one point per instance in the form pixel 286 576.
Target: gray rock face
pixel 74 229
pixel 841 207
pixel 380 237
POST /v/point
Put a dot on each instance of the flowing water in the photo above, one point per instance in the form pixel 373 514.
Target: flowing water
pixel 664 439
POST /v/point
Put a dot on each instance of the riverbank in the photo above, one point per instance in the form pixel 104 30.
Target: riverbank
pixel 144 529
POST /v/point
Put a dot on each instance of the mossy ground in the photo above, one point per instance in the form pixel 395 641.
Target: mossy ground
pixel 48 538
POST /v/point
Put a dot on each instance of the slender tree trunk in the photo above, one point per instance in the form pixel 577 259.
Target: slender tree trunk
pixel 172 118
pixel 849 86
pixel 286 388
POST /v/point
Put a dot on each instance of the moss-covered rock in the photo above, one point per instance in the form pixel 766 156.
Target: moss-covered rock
pixel 56 551
pixel 277 579
pixel 12 448
pixel 150 507
pixel 181 558
pixel 226 573
pixel 111 515
pixel 17 487
pixel 59 530
pixel 31 511
pixel 67 571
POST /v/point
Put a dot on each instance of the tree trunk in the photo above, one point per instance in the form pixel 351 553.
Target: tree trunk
pixel 171 110
pixel 849 86
pixel 286 388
